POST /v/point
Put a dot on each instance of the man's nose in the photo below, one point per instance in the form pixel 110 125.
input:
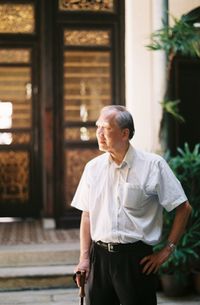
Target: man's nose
pixel 100 131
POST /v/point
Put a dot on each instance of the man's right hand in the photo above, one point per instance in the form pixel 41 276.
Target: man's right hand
pixel 84 265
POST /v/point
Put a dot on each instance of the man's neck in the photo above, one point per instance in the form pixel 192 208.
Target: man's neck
pixel 118 156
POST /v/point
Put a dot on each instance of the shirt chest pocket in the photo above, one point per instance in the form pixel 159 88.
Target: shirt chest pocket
pixel 132 196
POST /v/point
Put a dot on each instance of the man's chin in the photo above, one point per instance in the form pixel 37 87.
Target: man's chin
pixel 102 147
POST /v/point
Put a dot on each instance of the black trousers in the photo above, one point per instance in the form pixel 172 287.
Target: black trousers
pixel 116 277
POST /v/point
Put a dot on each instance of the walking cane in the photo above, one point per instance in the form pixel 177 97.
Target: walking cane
pixel 80 281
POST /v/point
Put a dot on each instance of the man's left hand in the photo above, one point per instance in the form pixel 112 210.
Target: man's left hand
pixel 153 262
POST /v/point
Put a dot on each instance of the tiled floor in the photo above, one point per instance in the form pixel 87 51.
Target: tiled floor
pixel 70 297
pixel 31 232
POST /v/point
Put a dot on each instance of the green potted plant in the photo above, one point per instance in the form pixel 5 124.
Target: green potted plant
pixel 186 166
pixel 175 272
pixel 180 39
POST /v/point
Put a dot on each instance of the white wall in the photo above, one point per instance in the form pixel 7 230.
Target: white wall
pixel 145 70
pixel 179 7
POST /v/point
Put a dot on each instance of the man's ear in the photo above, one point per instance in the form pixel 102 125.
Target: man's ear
pixel 125 133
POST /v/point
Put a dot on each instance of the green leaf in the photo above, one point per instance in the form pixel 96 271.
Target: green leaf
pixel 181 38
pixel 172 108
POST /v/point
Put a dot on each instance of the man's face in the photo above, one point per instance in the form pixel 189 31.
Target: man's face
pixel 109 136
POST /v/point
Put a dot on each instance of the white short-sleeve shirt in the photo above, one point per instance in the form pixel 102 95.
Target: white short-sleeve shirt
pixel 125 202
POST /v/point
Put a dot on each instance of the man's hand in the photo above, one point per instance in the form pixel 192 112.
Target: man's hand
pixel 153 262
pixel 83 265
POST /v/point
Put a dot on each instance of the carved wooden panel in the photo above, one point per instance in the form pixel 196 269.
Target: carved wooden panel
pixel 17 18
pixel 80 134
pixel 87 84
pixel 16 89
pixel 87 5
pixel 75 160
pixel 14 176
pixel 15 138
pixel 86 38
pixel 15 56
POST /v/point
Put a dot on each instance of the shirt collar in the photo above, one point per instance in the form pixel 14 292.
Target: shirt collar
pixel 128 158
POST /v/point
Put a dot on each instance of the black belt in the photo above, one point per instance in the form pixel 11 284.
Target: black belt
pixel 117 247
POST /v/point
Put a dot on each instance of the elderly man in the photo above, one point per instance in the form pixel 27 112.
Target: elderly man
pixel 122 194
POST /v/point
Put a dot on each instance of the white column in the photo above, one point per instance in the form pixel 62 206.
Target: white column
pixel 159 12
pixel 145 71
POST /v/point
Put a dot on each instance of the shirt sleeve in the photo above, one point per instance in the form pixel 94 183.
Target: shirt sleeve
pixel 80 200
pixel 169 188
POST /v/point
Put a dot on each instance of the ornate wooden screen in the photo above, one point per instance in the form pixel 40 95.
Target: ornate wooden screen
pixel 90 70
pixel 74 51
pixel 15 124
pixel 16 108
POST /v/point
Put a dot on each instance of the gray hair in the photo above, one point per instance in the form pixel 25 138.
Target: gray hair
pixel 123 118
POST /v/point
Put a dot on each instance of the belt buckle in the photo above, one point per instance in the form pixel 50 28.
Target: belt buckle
pixel 111 247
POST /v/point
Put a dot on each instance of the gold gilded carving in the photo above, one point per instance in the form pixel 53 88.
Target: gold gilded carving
pixel 14 176
pixel 21 138
pixel 75 161
pixel 17 18
pixel 14 138
pixel 80 134
pixel 86 38
pixel 15 56
pixel 87 5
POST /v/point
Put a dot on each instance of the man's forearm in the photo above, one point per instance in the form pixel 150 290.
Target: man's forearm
pixel 85 236
pixel 180 221
pixel 85 242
